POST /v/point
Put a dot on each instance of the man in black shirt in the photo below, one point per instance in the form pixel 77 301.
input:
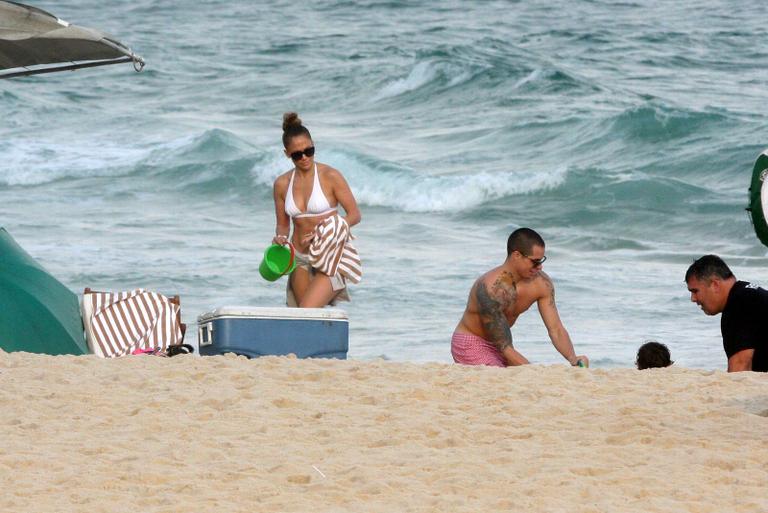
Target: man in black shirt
pixel 744 306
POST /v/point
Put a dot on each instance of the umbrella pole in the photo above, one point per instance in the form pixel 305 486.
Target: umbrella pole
pixel 138 64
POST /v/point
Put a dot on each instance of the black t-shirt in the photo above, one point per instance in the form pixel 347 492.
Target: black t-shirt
pixel 744 323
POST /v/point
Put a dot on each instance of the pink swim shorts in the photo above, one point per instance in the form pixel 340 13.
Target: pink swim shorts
pixel 470 349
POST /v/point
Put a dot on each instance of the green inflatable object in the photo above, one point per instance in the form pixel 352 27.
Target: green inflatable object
pixel 38 314
pixel 758 197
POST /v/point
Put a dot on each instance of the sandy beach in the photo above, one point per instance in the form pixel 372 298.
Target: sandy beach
pixel 228 434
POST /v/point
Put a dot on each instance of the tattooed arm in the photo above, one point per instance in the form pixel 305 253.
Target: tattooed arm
pixel 557 332
pixel 491 305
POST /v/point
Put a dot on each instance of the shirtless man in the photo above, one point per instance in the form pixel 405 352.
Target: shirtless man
pixel 497 299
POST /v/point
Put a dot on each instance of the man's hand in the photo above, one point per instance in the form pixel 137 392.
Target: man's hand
pixel 579 358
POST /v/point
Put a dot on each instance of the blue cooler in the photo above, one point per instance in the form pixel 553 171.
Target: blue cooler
pixel 254 331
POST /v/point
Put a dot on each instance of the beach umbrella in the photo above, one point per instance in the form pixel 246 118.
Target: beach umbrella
pixel 38 314
pixel 32 37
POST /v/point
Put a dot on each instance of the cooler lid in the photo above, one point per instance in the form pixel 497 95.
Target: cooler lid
pixel 258 312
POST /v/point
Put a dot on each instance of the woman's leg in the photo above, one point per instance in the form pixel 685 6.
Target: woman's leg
pixel 318 294
pixel 299 280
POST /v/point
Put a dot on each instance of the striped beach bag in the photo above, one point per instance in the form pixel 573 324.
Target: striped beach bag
pixel 121 323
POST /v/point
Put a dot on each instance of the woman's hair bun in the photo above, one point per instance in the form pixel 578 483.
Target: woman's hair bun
pixel 291 120
pixel 292 127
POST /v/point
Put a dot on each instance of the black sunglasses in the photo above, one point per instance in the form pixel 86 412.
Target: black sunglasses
pixel 536 261
pixel 297 155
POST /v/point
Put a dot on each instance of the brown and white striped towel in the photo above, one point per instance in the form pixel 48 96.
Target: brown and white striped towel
pixel 119 323
pixel 331 251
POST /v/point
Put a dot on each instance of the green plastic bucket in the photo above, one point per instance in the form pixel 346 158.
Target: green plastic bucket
pixel 278 261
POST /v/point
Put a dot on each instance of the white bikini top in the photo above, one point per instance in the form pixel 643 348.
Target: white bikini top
pixel 317 204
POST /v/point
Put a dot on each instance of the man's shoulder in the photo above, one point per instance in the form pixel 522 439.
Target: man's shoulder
pixel 543 284
pixel 748 293
pixel 497 284
pixel 490 276
pixel 753 288
pixel 747 303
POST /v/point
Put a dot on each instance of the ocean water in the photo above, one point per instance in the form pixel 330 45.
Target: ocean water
pixel 624 132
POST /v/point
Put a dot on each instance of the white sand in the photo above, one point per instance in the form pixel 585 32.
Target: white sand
pixel 226 434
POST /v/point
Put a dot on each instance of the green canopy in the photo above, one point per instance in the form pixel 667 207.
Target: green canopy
pixel 38 314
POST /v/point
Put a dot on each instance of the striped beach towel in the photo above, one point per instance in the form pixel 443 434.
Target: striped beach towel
pixel 120 323
pixel 331 251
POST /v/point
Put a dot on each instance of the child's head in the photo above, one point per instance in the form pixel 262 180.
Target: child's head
pixel 653 354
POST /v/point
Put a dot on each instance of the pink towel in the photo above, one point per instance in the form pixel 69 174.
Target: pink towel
pixel 473 350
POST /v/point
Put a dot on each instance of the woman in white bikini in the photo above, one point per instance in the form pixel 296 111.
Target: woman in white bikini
pixel 308 194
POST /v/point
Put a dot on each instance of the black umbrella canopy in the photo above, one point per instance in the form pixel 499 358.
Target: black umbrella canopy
pixel 32 37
